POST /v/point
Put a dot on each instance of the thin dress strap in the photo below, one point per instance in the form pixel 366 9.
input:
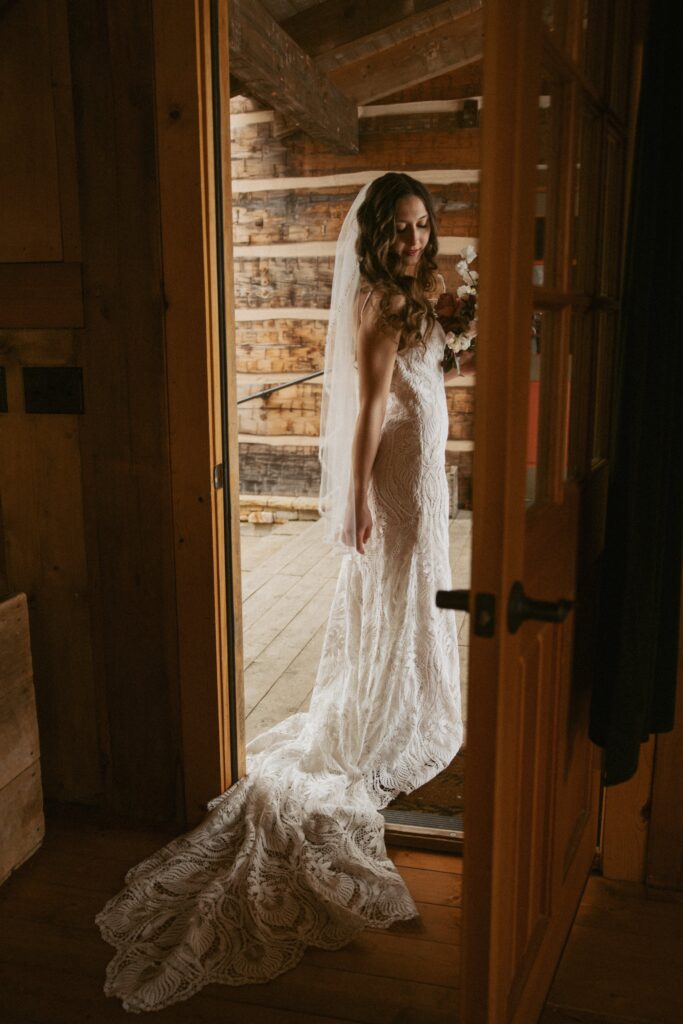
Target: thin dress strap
pixel 360 317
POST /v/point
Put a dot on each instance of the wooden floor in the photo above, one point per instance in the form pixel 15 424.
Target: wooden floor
pixel 288 581
pixel 623 963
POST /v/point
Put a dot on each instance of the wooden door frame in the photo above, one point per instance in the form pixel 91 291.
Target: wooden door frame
pixel 195 222
pixel 506 213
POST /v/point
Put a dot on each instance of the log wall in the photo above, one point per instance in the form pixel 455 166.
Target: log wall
pixel 290 196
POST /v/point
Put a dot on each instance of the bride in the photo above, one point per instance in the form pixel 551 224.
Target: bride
pixel 293 854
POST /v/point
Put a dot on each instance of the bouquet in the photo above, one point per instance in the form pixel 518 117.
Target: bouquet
pixel 458 314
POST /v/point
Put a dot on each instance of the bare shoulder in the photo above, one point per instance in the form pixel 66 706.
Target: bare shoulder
pixel 370 302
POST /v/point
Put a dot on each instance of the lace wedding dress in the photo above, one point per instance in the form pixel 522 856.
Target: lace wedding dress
pixel 293 854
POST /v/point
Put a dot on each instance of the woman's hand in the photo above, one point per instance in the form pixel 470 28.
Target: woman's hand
pixel 357 529
pixel 363 526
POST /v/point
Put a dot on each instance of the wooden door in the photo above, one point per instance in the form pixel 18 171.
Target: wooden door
pixel 553 163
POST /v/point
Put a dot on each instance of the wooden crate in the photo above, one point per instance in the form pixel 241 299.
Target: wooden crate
pixel 22 822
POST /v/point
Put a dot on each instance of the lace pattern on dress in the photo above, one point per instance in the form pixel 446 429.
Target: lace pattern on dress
pixel 293 854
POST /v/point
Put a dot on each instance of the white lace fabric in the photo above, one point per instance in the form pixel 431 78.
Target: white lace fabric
pixel 293 855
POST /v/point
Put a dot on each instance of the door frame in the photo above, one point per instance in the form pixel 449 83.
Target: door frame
pixel 192 95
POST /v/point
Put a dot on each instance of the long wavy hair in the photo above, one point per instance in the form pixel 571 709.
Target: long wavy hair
pixel 380 266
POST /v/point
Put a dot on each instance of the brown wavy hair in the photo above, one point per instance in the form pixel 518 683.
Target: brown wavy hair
pixel 380 266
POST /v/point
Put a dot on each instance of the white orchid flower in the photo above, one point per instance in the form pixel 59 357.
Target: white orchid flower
pixel 469 253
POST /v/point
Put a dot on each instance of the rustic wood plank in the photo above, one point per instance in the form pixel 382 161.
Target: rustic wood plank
pixel 617 907
pixel 286 345
pixel 262 633
pixel 259 155
pixel 426 860
pixel 289 285
pixel 274 690
pixel 273 281
pixel 272 465
pixel 410 61
pixel 273 68
pixel 260 218
pixel 124 436
pixel 62 98
pixel 626 810
pixel 29 162
pixel 294 547
pixel 295 411
pixel 624 976
pixel 398 957
pixel 35 295
pixel 434 924
pixel 56 993
pixel 39 456
pixel 22 823
pixel 334 33
pixel 19 741
pixel 464 83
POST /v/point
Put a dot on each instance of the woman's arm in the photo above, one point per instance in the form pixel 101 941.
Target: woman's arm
pixel 376 349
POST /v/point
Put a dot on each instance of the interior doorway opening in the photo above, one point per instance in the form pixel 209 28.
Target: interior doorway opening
pixel 284 227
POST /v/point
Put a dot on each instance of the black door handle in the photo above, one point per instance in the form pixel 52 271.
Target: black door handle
pixel 521 608
pixel 483 614
pixel 456 599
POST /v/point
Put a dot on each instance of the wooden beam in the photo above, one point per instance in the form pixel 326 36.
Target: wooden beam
pixel 388 55
pixel 274 69
pixel 335 35
pixel 416 59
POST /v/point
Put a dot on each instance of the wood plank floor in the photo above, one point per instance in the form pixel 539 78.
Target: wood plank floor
pixel 288 581
pixel 622 965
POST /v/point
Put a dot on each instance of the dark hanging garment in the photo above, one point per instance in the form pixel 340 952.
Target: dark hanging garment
pixel 638 627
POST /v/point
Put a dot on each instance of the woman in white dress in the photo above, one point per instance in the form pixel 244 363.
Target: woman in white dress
pixel 293 854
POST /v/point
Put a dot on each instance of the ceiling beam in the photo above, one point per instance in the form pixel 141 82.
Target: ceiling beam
pixel 336 33
pixel 390 55
pixel 274 69
pixel 411 60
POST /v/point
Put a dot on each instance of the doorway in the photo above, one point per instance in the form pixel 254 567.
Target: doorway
pixel 284 228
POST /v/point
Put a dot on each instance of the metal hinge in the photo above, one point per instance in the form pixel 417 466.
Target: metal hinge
pixel 218 476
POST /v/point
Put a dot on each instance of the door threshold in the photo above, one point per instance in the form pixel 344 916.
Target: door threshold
pixel 443 832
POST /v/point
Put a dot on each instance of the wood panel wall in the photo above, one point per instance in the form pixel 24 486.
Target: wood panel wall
pixel 290 196
pixel 85 498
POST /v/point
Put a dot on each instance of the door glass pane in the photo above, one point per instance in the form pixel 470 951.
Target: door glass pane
pixel 610 269
pixel 548 243
pixel 539 412
pixel 620 70
pixel 592 39
pixel 556 18
pixel 585 204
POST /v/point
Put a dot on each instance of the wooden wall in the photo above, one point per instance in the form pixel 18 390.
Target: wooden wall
pixel 85 528
pixel 290 196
